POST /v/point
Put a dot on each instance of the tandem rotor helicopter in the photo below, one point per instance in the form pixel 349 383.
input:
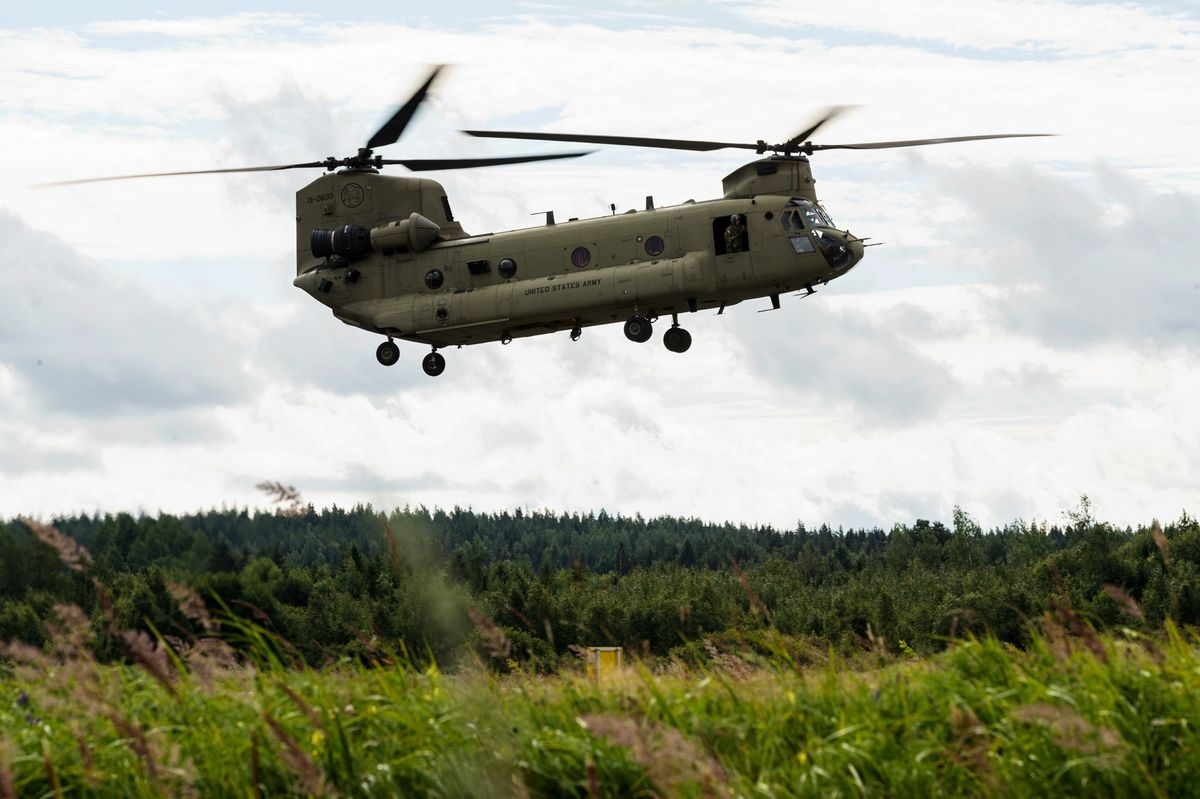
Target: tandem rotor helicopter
pixel 385 253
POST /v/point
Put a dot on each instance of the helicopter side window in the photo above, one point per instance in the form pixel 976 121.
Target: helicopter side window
pixel 801 244
pixel 792 220
pixel 793 226
pixel 730 235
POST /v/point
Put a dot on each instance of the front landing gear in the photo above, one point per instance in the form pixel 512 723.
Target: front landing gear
pixel 639 329
pixel 388 353
pixel 434 364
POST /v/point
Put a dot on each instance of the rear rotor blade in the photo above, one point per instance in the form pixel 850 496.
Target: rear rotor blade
pixel 432 164
pixel 881 145
pixel 631 141
pixel 308 165
pixel 392 129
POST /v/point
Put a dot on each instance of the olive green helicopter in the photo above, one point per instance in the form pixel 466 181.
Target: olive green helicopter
pixel 386 254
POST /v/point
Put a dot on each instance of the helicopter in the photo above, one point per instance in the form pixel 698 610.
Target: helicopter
pixel 385 254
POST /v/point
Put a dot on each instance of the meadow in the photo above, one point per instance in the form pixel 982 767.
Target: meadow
pixel 924 661
pixel 1075 713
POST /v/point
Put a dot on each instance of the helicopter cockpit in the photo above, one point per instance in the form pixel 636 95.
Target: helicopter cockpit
pixel 803 217
pixel 814 213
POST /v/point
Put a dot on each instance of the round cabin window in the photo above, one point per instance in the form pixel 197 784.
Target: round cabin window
pixel 581 257
pixel 507 267
pixel 434 278
pixel 655 246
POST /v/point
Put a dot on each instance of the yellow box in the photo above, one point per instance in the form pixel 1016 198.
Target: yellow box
pixel 603 662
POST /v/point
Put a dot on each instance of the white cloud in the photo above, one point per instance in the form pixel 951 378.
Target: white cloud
pixel 1026 335
pixel 95 344
pixel 1082 273
pixel 1036 26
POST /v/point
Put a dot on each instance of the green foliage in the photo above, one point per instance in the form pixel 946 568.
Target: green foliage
pixel 924 660
pixel 1084 715
pixel 352 583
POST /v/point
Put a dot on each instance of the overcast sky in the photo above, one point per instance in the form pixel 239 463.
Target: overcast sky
pixel 1027 333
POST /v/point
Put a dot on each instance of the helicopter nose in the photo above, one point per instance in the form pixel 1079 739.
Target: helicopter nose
pixel 841 250
pixel 856 249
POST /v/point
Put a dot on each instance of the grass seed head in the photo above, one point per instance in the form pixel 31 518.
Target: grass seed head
pixel 1069 730
pixel 494 639
pixel 1160 541
pixel 669 758
pixel 1125 602
pixel 311 777
pixel 7 783
pixel 151 657
pixel 70 551
pixel 191 605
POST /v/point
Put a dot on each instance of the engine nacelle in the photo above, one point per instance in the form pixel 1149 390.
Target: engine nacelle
pixel 405 235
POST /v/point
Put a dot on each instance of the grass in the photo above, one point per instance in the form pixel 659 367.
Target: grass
pixel 1075 714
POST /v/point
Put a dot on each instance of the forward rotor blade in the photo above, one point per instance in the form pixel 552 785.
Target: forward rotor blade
pixel 806 134
pixel 308 165
pixel 392 129
pixel 880 145
pixel 631 141
pixel 432 164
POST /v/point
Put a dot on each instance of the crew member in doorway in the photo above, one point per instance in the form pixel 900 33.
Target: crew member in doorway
pixel 735 234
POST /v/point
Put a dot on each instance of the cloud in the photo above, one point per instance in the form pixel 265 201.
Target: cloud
pixel 292 126
pixel 24 451
pixel 1094 259
pixel 1038 26
pixel 860 359
pixel 93 343
pixel 310 347
pixel 1021 340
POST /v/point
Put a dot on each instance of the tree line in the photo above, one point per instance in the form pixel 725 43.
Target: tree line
pixel 531 587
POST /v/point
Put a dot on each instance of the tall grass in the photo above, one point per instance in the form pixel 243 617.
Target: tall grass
pixel 1117 717
pixel 1075 713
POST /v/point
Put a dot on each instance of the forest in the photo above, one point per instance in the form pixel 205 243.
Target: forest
pixel 530 588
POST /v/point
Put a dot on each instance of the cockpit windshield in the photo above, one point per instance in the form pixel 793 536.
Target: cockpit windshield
pixel 814 214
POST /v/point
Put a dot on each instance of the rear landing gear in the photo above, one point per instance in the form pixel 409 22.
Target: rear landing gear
pixel 387 353
pixel 434 364
pixel 676 339
pixel 639 329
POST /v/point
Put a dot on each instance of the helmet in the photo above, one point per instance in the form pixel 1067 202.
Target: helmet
pixel 735 219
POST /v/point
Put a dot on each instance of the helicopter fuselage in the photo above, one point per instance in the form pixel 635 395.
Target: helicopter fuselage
pixel 385 254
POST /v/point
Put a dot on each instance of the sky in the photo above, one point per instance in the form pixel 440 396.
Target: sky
pixel 1026 334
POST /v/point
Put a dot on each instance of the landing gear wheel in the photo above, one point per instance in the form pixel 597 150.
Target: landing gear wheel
pixel 433 364
pixel 676 339
pixel 387 353
pixel 639 329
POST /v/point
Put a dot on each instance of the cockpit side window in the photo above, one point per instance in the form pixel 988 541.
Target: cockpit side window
pixel 813 212
pixel 793 225
pixel 792 220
